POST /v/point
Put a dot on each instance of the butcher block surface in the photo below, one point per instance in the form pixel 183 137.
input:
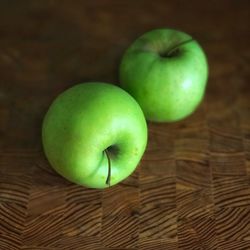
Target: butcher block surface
pixel 191 189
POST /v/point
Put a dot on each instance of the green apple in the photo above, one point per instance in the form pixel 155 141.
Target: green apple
pixel 94 134
pixel 166 71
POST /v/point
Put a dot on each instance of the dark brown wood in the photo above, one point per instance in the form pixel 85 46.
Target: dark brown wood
pixel 192 187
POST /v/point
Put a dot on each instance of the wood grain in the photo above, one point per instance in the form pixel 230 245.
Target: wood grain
pixel 190 191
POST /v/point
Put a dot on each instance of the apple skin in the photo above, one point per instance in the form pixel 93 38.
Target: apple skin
pixel 84 121
pixel 166 71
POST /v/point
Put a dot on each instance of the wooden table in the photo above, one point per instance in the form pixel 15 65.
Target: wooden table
pixel 192 188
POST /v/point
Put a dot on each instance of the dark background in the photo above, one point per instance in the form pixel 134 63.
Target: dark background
pixel 192 188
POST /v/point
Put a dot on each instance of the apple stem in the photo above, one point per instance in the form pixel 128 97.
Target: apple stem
pixel 109 168
pixel 178 45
